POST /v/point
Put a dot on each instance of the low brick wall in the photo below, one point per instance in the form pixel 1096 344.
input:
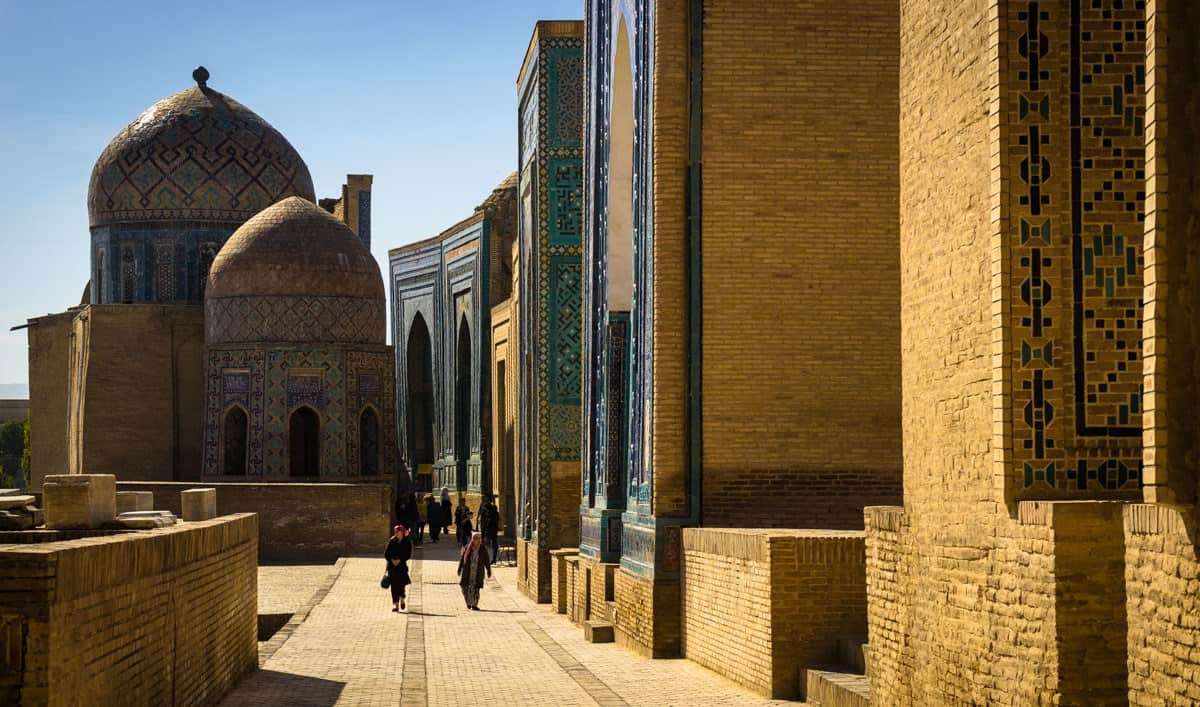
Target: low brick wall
pixel 646 616
pixel 297 522
pixel 1163 606
pixel 156 617
pixel 558 578
pixel 533 573
pixel 759 605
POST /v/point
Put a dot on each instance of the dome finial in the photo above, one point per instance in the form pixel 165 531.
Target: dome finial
pixel 201 76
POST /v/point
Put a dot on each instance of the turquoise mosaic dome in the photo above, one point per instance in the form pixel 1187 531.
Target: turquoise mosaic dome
pixel 198 156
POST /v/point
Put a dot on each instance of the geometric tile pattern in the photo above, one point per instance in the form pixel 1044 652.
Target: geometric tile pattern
pixel 556 306
pixel 294 318
pixel 565 189
pixel 565 346
pixel 271 383
pixel 1076 153
pixel 195 156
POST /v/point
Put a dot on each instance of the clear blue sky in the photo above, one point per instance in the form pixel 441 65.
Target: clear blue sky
pixel 420 94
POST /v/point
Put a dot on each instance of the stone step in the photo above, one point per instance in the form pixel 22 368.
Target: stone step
pixel 16 501
pixel 836 687
pixel 598 632
pixel 851 653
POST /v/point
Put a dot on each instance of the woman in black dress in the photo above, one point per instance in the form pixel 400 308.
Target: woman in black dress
pixel 398 552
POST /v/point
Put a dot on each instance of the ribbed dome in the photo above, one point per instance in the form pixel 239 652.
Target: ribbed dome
pixel 197 156
pixel 295 273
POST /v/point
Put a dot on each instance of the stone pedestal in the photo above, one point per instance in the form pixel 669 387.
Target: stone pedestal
pixel 198 504
pixel 558 578
pixel 79 500
pixel 134 501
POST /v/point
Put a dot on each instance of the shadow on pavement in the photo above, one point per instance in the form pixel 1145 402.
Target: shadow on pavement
pixel 271 687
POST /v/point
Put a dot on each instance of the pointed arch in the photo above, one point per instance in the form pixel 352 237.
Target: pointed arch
pixel 235 431
pixel 304 442
pixel 619 256
pixel 418 413
pixel 368 441
pixel 462 398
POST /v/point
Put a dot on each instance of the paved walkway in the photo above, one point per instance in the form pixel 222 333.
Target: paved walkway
pixel 351 650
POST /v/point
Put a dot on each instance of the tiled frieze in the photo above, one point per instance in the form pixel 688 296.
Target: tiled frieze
pixel 1075 150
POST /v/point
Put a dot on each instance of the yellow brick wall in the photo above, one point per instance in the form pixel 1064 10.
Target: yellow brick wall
pixel 298 522
pixel 801 373
pixel 533 573
pixel 761 605
pixel 959 607
pixel 172 619
pixel 1163 600
pixel 504 422
pixel 151 430
pixel 647 619
pixel 49 386
pixel 668 444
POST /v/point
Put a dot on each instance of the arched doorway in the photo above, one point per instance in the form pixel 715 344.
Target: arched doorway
pixel 368 442
pixel 619 260
pixel 304 443
pixel 234 432
pixel 462 401
pixel 419 411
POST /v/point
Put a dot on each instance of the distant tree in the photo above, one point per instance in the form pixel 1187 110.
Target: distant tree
pixel 25 456
pixel 12 449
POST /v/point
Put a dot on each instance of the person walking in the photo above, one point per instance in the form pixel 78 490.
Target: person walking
pixel 472 564
pixel 412 519
pixel 398 553
pixel 489 525
pixel 447 510
pixel 464 528
pixel 433 516
pixel 460 512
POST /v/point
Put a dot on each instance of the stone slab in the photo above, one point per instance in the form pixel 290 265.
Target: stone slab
pixel 15 520
pixel 79 500
pixel 134 501
pixel 198 504
pixel 9 502
pixel 598 632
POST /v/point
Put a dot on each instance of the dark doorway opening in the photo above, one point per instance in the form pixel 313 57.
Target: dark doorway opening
pixel 234 433
pixel 304 443
pixel 462 400
pixel 368 437
pixel 419 413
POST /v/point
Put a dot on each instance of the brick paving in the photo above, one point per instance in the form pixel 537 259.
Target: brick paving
pixel 351 650
pixel 283 589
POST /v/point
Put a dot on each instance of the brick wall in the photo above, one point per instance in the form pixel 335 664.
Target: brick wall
pixel 647 619
pixel 49 377
pixel 752 497
pixel 533 577
pixel 761 605
pixel 158 617
pixel 1162 562
pixel 298 522
pixel 564 504
pixel 140 392
pixel 801 375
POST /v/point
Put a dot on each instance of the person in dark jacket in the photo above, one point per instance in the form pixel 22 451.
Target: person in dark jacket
pixel 447 510
pixel 472 564
pixel 398 552
pixel 433 515
pixel 489 525
pixel 463 526
pixel 412 519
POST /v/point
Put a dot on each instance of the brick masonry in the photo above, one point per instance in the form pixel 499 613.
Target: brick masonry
pixel 759 606
pixel 298 522
pixel 801 377
pixel 1163 600
pixel 118 618
pixel 124 392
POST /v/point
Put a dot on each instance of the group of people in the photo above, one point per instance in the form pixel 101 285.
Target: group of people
pixel 477 547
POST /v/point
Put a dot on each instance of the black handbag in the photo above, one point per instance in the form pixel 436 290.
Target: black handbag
pixel 386 581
